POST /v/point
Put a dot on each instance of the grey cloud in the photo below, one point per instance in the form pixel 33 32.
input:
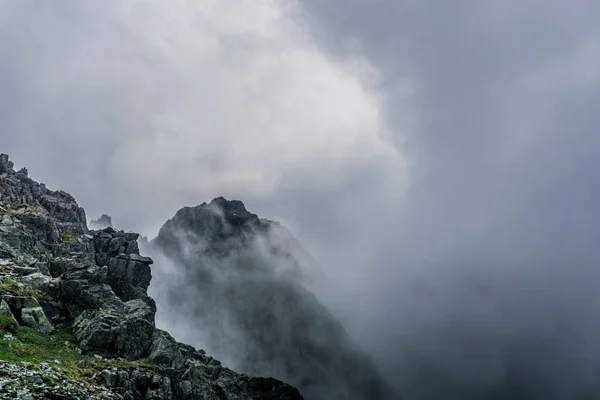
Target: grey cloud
pixel 141 108
pixel 504 150
pixel 481 220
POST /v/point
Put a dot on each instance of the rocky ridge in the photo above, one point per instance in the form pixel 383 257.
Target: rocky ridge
pixel 249 272
pixel 60 280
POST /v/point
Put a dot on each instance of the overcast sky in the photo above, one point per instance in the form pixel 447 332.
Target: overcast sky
pixel 415 147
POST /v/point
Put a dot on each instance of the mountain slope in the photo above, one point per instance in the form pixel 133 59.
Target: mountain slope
pixel 236 283
pixel 76 321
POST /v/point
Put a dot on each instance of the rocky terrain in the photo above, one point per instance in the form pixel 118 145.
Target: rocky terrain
pixel 251 305
pixel 76 321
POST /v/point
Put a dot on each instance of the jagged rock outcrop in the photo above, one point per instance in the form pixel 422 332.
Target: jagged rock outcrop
pixel 250 307
pixel 32 201
pixel 55 274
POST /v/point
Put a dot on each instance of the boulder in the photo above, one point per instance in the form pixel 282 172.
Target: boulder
pixel 29 312
pixel 129 277
pixel 95 331
pixel 5 311
pixel 136 329
pixel 50 288
pixel 35 318
pixel 79 295
pixel 166 352
pixel 57 266
pixel 125 334
pixel 42 283
pixel 138 384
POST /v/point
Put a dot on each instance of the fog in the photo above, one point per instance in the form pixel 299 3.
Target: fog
pixel 438 160
pixel 236 286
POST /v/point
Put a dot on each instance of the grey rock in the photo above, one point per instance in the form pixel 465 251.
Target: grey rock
pixel 129 279
pixel 166 352
pixel 95 331
pixel 185 389
pixel 105 235
pixel 6 311
pixel 133 249
pixel 43 268
pixel 159 388
pixel 30 313
pixel 136 330
pixel 23 381
pixel 98 285
pixel 6 165
pixel 23 271
pixel 19 189
pixel 43 283
pixel 88 297
pixel 58 266
pixel 23 171
pixel 115 245
pixel 109 377
pixel 136 258
pixel 36 318
pixel 50 288
pixel 102 259
pixel 127 334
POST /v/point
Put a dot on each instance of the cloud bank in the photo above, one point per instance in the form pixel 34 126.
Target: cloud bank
pixel 439 159
pixel 162 105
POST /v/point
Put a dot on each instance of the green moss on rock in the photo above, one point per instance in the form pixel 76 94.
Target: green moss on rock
pixel 68 238
pixel 58 349
pixel 7 324
pixel 13 288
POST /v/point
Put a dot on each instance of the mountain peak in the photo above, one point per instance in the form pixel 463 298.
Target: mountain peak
pixel 90 288
pixel 217 221
pixel 105 221
pixel 232 209
pixel 251 306
pixel 234 205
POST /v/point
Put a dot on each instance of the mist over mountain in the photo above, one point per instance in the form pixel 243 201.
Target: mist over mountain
pixel 238 285
pixel 235 285
pixel 438 158
pixel 104 221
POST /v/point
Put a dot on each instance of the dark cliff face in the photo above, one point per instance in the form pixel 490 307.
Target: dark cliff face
pixel 91 287
pixel 236 281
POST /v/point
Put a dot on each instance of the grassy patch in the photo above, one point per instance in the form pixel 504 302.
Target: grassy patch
pixel 14 209
pixel 14 288
pixel 32 347
pixel 31 209
pixel 8 324
pixel 68 239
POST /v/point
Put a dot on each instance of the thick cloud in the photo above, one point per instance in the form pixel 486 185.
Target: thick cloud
pixel 139 108
pixel 439 158
pixel 500 224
